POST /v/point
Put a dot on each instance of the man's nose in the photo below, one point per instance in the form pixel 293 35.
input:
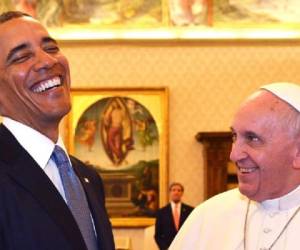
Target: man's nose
pixel 237 151
pixel 44 60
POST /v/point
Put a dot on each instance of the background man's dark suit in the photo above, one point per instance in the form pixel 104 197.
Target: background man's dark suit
pixel 165 230
pixel 33 214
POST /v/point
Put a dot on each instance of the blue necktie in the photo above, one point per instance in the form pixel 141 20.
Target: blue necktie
pixel 75 197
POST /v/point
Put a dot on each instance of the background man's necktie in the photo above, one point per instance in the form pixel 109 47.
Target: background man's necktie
pixel 176 216
pixel 75 197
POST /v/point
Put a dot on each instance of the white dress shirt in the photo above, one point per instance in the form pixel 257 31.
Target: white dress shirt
pixel 178 207
pixel 39 147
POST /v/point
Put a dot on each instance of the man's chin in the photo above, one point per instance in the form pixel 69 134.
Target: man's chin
pixel 247 190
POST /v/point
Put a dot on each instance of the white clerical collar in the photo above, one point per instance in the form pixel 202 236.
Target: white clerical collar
pixel 288 201
pixel 36 144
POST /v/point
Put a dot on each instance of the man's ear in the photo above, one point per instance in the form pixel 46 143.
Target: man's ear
pixel 296 161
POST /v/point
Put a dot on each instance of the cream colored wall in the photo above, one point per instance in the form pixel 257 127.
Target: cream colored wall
pixel 207 81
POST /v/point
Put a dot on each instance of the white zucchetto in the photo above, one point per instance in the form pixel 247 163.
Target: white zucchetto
pixel 288 92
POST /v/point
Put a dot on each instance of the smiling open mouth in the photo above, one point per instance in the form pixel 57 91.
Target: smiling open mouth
pixel 46 85
pixel 247 170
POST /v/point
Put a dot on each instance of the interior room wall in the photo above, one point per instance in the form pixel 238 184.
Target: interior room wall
pixel 206 79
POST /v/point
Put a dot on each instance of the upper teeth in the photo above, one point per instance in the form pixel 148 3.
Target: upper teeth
pixel 247 170
pixel 47 84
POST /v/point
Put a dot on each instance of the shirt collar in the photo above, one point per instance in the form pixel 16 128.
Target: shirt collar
pixel 38 146
pixel 173 204
pixel 285 202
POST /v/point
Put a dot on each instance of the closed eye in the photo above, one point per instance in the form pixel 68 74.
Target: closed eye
pixel 49 45
pixel 51 49
pixel 20 58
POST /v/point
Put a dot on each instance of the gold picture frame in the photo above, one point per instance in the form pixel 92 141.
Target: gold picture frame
pixel 123 133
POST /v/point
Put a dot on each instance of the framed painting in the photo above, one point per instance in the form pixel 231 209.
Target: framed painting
pixel 163 19
pixel 123 134
pixel 257 13
pixel 92 19
pixel 257 18
pixel 114 19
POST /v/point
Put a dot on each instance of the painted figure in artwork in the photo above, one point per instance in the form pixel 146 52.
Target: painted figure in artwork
pixel 187 12
pixel 27 6
pixel 116 130
pixel 87 134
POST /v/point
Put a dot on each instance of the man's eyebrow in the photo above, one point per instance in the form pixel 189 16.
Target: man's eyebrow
pixel 48 39
pixel 249 132
pixel 15 50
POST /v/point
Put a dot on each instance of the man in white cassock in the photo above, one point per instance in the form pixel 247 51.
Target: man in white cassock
pixel 264 212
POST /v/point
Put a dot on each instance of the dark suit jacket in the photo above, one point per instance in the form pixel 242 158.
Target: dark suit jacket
pixel 165 230
pixel 33 215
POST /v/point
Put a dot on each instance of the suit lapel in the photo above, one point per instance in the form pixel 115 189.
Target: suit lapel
pixel 26 172
pixel 182 214
pixel 170 215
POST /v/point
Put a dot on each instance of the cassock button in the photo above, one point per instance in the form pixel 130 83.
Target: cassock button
pixel 272 214
pixel 267 230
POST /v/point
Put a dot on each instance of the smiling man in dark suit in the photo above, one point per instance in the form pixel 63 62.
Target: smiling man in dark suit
pixel 170 218
pixel 48 200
